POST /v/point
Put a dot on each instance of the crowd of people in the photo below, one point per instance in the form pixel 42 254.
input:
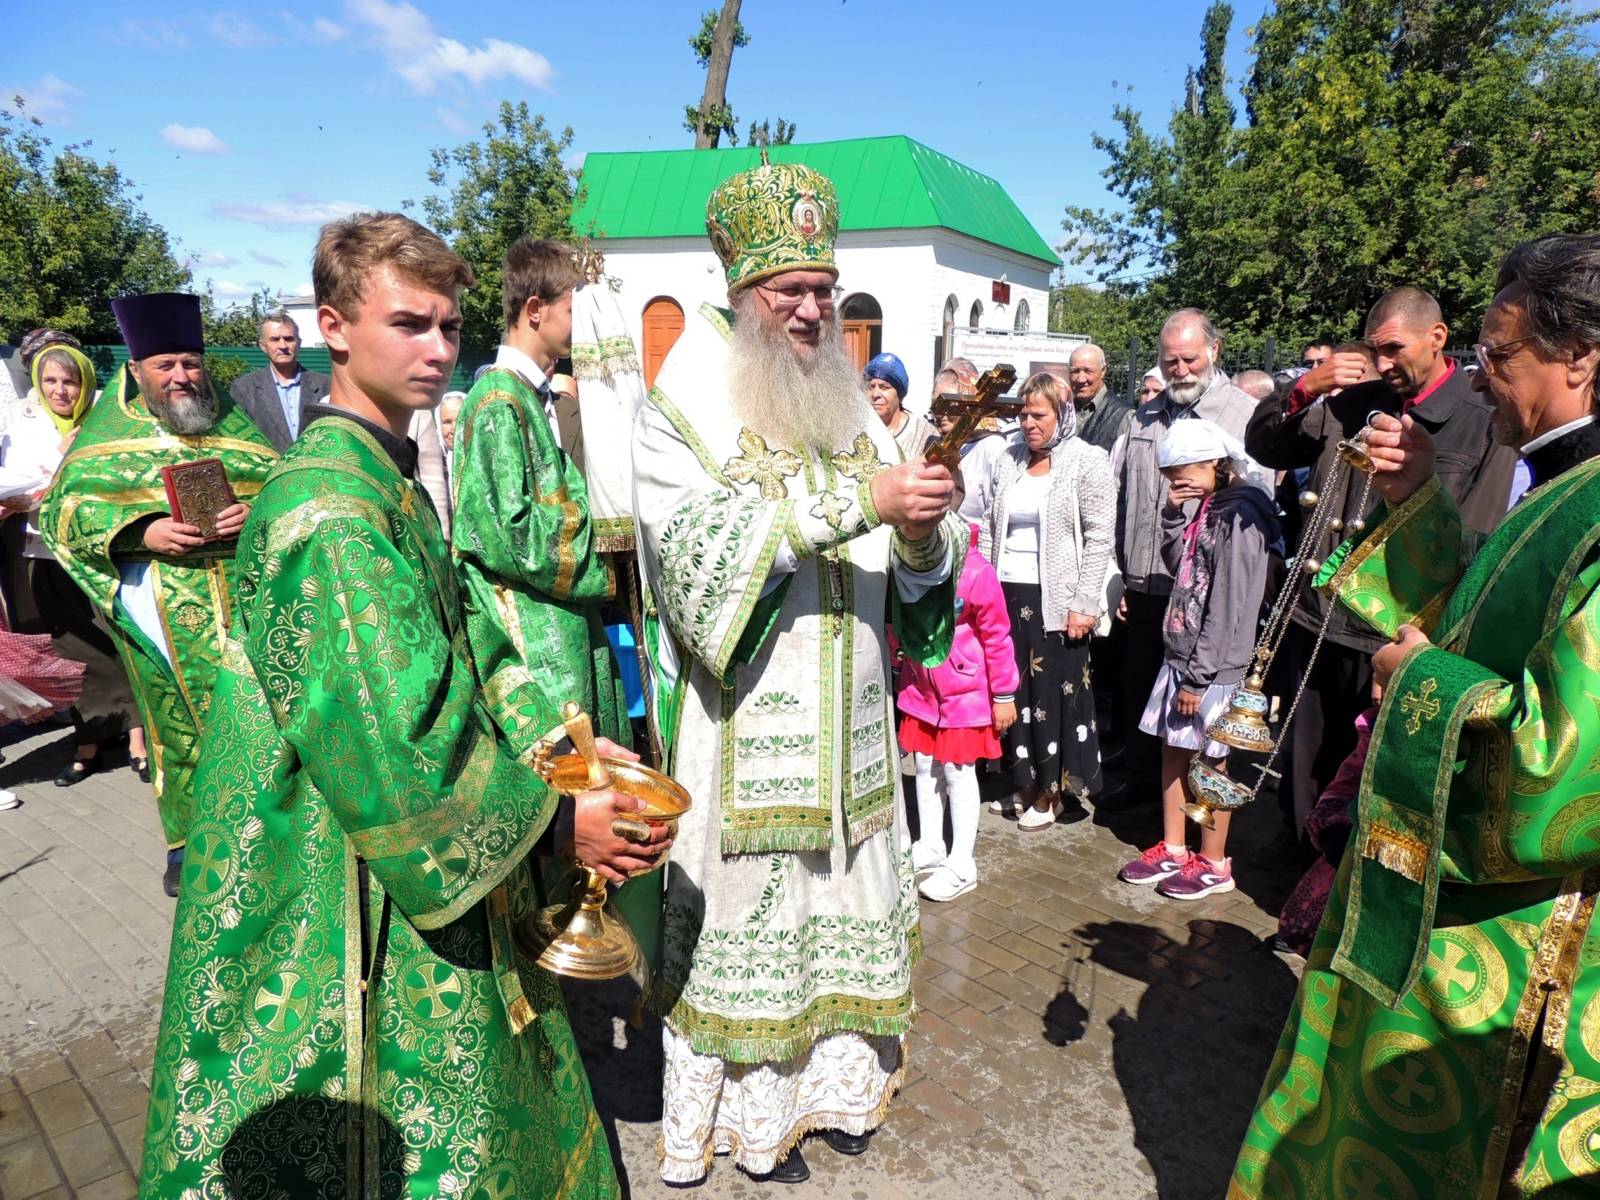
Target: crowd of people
pixel 346 614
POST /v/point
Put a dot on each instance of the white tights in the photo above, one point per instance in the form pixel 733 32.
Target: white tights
pixel 961 788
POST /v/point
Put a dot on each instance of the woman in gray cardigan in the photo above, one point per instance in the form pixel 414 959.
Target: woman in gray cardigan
pixel 1049 533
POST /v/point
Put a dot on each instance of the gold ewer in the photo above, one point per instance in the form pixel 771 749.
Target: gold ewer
pixel 582 938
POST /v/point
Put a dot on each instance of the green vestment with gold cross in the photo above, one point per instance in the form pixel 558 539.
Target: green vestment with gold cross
pixel 346 1014
pixel 93 522
pixel 1445 1039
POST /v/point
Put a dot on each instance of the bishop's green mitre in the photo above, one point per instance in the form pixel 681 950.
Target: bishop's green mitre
pixel 773 218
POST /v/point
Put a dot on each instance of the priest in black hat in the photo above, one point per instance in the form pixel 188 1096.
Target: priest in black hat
pixel 164 584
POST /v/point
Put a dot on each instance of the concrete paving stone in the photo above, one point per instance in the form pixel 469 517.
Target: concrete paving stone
pixel 1018 990
pixel 953 1115
pixel 26 1168
pixel 114 1187
pixel 36 1068
pixel 130 1138
pixel 88 1154
pixel 120 1095
pixel 61 1108
pixel 996 956
pixel 969 991
pixel 16 1121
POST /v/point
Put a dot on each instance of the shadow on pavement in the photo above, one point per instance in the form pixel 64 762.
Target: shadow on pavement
pixel 39 764
pixel 624 1063
pixel 1191 1060
pixel 38 858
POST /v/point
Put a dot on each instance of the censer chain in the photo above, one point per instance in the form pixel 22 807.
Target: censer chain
pixel 1265 768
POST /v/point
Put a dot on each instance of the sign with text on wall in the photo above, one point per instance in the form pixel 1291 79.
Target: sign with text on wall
pixel 1000 292
pixel 1029 353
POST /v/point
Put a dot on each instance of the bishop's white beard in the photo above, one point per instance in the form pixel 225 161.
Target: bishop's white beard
pixel 795 399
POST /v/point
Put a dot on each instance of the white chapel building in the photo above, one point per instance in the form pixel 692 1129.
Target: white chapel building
pixel 934 257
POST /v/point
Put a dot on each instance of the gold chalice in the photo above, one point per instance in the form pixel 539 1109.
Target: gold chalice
pixel 582 938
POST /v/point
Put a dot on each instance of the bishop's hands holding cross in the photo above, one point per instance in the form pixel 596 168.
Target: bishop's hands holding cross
pixel 913 497
pixel 1402 461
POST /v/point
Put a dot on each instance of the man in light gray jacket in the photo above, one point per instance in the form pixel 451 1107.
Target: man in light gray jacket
pixel 1196 387
pixel 272 395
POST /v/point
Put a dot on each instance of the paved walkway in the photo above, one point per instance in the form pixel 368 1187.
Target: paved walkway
pixel 1079 1038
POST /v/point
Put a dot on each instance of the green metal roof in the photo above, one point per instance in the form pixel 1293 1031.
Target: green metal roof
pixel 883 183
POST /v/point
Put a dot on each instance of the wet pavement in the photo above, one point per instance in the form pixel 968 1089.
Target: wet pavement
pixel 1078 1037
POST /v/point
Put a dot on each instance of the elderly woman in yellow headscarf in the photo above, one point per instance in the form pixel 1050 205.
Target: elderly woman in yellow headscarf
pixel 36 438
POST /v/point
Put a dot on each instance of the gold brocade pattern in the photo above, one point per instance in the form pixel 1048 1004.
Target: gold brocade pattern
pixel 345 722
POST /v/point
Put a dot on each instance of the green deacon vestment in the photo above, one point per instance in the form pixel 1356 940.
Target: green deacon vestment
pixel 356 806
pixel 531 578
pixel 107 485
pixel 1445 1039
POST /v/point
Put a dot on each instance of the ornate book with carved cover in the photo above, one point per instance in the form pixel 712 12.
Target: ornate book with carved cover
pixel 196 492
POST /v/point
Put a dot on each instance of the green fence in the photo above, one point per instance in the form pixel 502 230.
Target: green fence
pixel 107 359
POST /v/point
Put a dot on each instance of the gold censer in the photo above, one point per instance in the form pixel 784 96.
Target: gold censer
pixel 1243 725
pixel 583 938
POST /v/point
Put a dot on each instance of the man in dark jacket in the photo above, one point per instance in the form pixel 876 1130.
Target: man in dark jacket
pixel 272 395
pixel 1407 334
pixel 1100 414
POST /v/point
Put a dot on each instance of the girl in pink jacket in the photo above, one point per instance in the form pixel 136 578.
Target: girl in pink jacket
pixel 954 715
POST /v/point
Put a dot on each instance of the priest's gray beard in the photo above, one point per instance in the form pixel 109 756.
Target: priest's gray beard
pixel 1188 391
pixel 185 413
pixel 794 399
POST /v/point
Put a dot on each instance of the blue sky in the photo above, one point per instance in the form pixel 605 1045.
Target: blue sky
pixel 245 128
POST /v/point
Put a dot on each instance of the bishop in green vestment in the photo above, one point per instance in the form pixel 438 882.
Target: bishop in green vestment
pixel 347 1015
pixel 777 526
pixel 1445 1039
pixel 165 593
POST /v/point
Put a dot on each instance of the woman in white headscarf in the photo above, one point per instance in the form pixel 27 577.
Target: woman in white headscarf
pixel 1049 534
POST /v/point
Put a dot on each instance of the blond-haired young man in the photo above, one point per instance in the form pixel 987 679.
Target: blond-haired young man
pixel 346 1012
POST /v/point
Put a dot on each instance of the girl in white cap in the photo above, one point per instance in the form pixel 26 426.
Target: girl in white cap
pixel 1216 528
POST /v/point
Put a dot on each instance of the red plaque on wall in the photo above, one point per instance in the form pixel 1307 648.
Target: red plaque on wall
pixel 1000 293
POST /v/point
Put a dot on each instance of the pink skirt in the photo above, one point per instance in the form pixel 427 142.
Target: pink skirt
pixel 959 746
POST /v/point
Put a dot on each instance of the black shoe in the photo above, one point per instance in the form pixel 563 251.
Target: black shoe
pixel 169 878
pixel 78 770
pixel 847 1143
pixel 792 1169
pixel 141 767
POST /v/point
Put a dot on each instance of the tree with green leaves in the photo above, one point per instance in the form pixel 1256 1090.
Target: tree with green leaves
pixel 512 183
pixel 1382 144
pixel 720 34
pixel 73 237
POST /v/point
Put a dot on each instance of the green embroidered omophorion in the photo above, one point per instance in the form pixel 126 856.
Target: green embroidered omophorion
pixel 532 581
pixel 773 218
pixel 1445 1040
pixel 107 485
pixel 346 1015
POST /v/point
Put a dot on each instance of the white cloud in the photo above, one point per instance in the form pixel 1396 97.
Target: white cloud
pixel 195 139
pixel 235 29
pixel 453 122
pixel 50 99
pixel 212 258
pixel 319 30
pixel 232 291
pixel 155 35
pixel 419 55
pixel 294 210
pixel 267 260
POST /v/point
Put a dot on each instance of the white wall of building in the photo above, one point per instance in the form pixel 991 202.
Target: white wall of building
pixel 304 311
pixel 909 272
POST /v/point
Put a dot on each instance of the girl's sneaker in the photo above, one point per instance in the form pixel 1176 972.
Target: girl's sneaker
pixel 1198 878
pixel 945 884
pixel 9 800
pixel 1154 866
pixel 925 857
